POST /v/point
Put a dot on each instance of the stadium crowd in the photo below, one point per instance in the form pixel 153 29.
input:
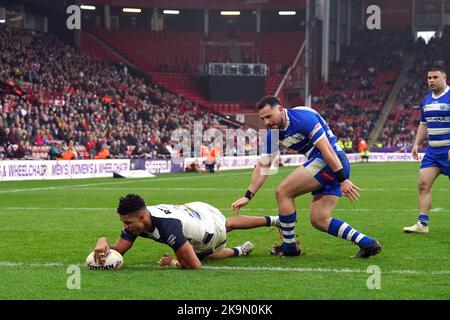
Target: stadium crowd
pixel 401 126
pixel 71 101
pixel 75 106
pixel 361 81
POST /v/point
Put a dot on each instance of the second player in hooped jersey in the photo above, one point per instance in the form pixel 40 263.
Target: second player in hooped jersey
pixel 325 174
pixel 304 128
pixel 434 125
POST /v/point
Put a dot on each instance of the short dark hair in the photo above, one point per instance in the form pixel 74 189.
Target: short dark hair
pixel 437 67
pixel 130 204
pixel 271 101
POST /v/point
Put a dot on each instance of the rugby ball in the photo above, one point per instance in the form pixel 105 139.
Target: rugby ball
pixel 114 260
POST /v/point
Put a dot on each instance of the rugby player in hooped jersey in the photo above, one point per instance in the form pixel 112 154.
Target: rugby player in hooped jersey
pixel 434 123
pixel 325 174
pixel 194 231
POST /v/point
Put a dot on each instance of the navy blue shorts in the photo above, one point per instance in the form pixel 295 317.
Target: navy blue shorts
pixel 437 157
pixel 323 173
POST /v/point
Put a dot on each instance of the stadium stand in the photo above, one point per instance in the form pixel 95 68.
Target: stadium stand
pixel 103 99
pixel 172 58
pixel 360 83
pixel 73 97
pixel 400 128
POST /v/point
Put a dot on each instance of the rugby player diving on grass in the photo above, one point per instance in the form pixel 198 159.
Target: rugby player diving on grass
pixel 194 231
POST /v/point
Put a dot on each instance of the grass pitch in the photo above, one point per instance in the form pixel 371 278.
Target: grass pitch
pixel 48 225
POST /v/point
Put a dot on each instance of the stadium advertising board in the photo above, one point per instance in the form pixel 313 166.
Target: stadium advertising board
pixel 248 162
pixel 80 169
pixel 156 166
pixel 385 157
pixel 60 169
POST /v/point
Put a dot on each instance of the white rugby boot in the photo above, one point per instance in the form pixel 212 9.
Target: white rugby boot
pixel 416 228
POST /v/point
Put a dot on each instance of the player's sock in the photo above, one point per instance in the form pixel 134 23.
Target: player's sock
pixel 272 221
pixel 342 230
pixel 287 226
pixel 424 219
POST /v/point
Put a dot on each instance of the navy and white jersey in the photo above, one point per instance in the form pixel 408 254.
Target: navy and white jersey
pixel 435 113
pixel 304 128
pixel 176 224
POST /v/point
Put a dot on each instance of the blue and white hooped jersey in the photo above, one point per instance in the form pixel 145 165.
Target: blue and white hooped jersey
pixel 435 113
pixel 304 127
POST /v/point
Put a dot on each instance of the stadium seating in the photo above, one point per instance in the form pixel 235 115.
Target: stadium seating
pixel 401 127
pixel 172 58
pixel 360 83
pixel 71 96
pixel 90 89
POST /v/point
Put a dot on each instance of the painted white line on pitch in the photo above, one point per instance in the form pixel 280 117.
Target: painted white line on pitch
pixel 326 270
pixel 168 189
pixel 58 209
pixel 235 268
pixel 437 209
pixel 80 187
pixel 222 209
pixel 401 189
pixel 118 182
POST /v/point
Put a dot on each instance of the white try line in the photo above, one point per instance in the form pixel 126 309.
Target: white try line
pixel 95 187
pixel 115 182
pixel 230 189
pixel 8 264
pixel 221 209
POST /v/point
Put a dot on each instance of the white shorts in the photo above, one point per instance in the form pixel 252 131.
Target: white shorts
pixel 215 222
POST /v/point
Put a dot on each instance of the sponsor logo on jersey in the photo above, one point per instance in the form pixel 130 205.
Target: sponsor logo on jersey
pixel 171 240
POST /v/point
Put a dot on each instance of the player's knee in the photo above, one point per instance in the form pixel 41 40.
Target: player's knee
pixel 423 186
pixel 280 193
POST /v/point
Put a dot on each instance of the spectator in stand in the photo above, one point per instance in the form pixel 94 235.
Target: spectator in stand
pixel 115 149
pixel 70 153
pixel 91 145
pixel 103 153
pixel 39 139
pixel 348 145
pixel 3 136
pixel 54 151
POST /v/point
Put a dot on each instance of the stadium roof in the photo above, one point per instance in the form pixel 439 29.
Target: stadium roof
pixel 183 4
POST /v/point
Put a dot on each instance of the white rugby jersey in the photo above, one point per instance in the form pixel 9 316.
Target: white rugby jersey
pixel 176 224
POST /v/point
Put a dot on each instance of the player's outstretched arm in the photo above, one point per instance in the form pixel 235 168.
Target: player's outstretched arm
pixel 347 187
pixel 187 259
pixel 122 246
pixel 259 176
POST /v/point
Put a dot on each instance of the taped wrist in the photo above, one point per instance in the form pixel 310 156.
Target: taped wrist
pixel 249 195
pixel 340 175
